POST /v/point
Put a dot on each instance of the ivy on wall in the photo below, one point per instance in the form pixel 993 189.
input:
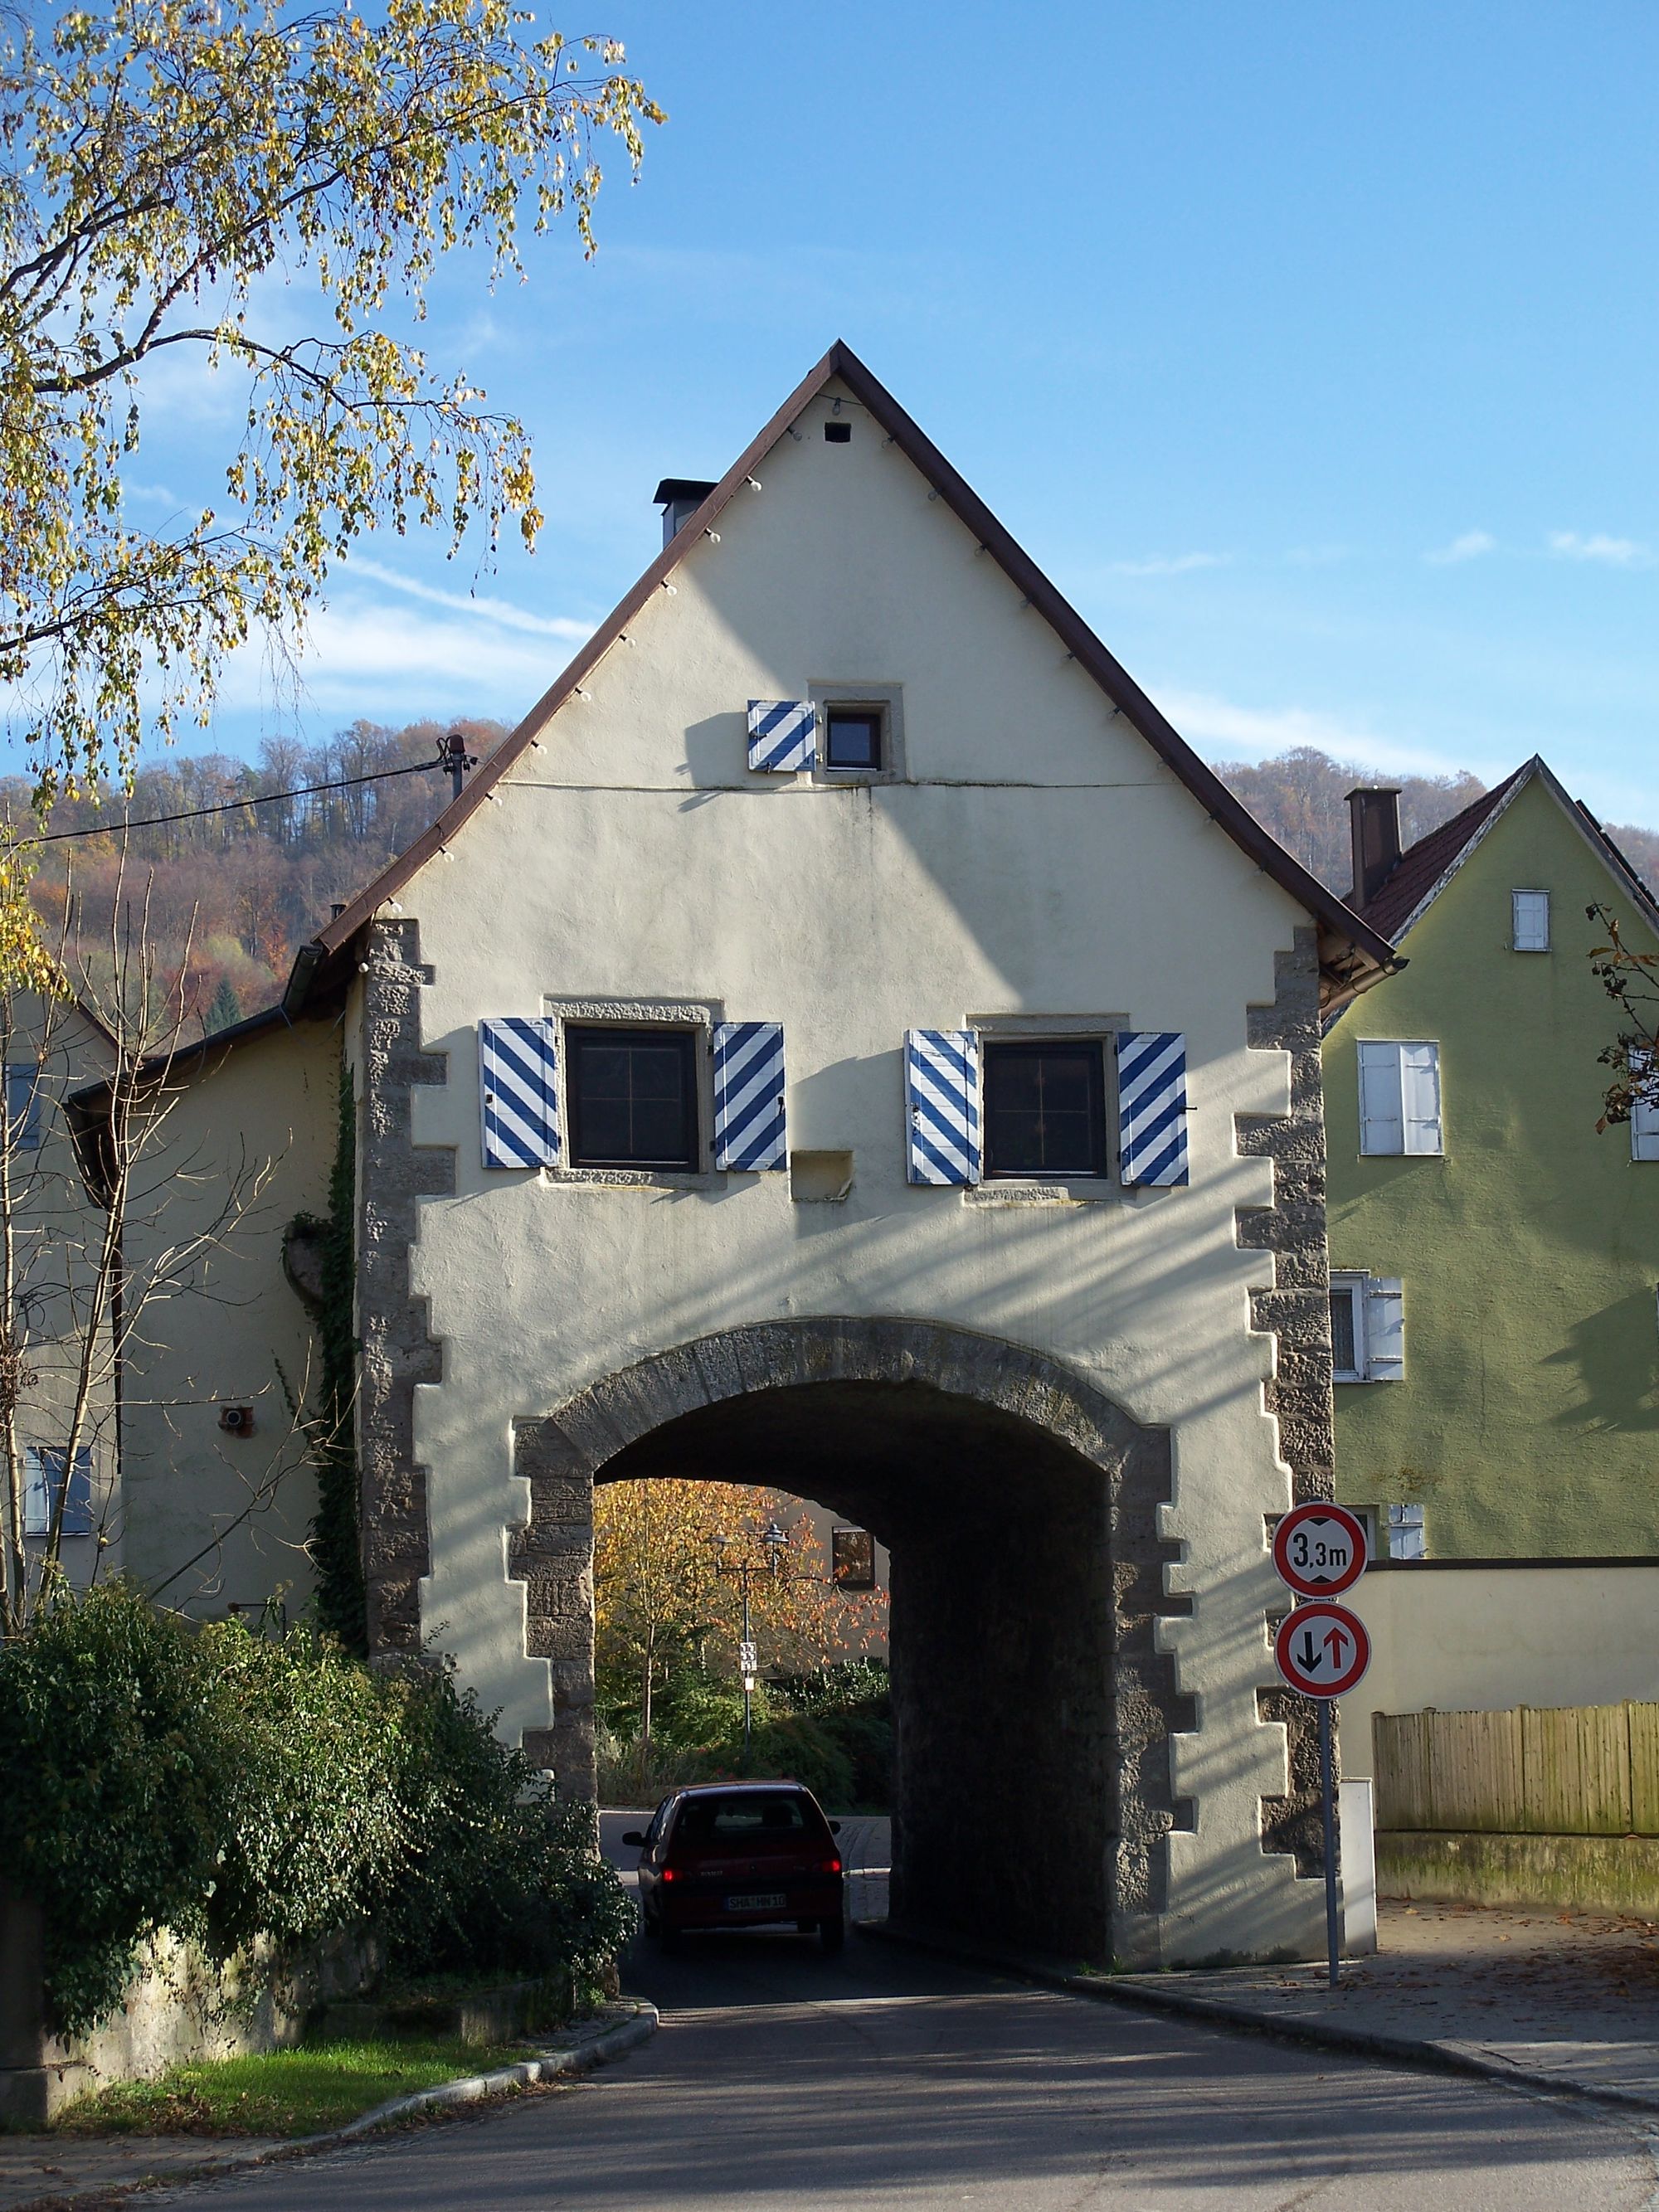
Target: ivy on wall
pixel 336 1545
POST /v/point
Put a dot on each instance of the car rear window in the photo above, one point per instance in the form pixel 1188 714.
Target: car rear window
pixel 744 1820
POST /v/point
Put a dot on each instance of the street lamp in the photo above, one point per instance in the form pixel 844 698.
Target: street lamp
pixel 744 1568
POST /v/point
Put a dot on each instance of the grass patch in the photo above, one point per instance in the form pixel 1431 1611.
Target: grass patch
pixel 281 2092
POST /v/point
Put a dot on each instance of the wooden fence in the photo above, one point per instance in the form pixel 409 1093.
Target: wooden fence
pixel 1553 1770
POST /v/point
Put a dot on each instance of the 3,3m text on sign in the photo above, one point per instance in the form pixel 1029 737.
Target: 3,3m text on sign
pixel 1319 1550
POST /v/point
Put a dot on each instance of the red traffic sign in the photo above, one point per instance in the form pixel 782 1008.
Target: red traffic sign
pixel 1322 1649
pixel 1319 1550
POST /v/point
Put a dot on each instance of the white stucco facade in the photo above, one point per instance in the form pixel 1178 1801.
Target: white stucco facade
pixel 1027 864
pixel 1035 866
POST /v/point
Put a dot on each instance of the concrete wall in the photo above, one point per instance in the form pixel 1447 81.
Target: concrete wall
pixel 1035 864
pixel 1527 1421
pixel 1484 1639
pixel 215 1520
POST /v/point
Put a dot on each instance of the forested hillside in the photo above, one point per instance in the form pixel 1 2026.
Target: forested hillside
pixel 231 894
pixel 1301 796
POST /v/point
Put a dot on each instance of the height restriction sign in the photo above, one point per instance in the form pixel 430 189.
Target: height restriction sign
pixel 1319 1550
pixel 1322 1649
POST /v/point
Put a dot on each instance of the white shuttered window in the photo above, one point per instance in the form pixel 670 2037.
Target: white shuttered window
pixel 1399 1097
pixel 1368 1327
pixel 1531 913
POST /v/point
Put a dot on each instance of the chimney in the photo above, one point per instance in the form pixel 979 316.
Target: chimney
pixel 1374 831
pixel 679 498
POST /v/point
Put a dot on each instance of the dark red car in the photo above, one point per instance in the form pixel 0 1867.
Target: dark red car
pixel 740 1855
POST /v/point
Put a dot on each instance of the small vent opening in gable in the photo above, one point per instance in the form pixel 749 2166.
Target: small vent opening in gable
pixel 838 433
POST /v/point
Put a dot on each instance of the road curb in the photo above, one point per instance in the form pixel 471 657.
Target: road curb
pixel 581 2056
pixel 1427 2051
pixel 590 2044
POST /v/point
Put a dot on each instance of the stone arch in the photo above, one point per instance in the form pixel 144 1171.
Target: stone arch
pixel 1021 1392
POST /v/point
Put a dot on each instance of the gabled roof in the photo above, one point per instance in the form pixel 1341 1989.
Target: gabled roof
pixel 1424 869
pixel 1352 953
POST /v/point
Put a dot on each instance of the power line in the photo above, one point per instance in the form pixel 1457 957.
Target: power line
pixel 236 805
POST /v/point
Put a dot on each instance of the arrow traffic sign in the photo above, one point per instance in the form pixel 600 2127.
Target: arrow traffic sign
pixel 1322 1649
pixel 1319 1550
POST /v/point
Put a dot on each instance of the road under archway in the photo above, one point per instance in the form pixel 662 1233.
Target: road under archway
pixel 1032 1711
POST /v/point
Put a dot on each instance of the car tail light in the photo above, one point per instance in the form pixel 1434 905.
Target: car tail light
pixel 669 1873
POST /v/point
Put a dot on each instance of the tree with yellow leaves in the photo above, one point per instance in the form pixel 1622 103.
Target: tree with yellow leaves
pixel 661 1604
pixel 182 177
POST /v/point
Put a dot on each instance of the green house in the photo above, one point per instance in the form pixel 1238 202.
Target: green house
pixel 1494 1260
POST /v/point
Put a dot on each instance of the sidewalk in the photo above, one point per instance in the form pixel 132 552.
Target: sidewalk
pixel 1564 2002
pixel 1569 2001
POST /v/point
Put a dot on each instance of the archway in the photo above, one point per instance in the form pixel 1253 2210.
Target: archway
pixel 1032 1710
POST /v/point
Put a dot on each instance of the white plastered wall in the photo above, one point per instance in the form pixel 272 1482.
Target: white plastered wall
pixel 1487 1638
pixel 1039 861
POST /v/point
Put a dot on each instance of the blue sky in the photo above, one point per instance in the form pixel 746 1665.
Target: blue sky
pixel 1310 349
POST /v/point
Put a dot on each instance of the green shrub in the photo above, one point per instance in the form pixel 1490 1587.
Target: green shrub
pixel 498 1873
pixel 110 1788
pixel 225 1786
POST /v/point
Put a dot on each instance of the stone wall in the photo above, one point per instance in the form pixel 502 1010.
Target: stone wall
pixel 398 1349
pixel 1296 1313
pixel 178 2005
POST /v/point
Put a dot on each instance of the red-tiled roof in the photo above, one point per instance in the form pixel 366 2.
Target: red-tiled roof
pixel 1421 865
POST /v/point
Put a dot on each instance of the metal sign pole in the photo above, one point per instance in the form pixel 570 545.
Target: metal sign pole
pixel 1328 1792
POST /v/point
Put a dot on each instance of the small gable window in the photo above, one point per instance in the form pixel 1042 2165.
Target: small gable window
pixel 852 737
pixel 633 1096
pixel 1530 917
pixel 1045 1110
pixel 1399 1097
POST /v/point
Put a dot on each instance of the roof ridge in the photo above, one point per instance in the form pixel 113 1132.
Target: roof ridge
pixel 1353 953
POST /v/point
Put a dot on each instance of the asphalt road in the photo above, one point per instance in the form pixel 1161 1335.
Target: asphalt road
pixel 781 2079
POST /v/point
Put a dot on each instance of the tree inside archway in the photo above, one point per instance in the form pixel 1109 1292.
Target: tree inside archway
pixel 667 1623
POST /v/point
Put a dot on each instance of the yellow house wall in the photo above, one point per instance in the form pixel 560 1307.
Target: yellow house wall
pixel 1528 1422
pixel 215 1520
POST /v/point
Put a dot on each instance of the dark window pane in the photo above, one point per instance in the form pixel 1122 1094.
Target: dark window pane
pixel 633 1098
pixel 1043 1110
pixel 1342 1343
pixel 853 740
pixel 656 1072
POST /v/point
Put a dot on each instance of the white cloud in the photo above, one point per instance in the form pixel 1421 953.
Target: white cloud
pixel 361 657
pixel 1469 547
pixel 1221 730
pixel 1169 565
pixel 1613 552
pixel 469 603
pixel 151 495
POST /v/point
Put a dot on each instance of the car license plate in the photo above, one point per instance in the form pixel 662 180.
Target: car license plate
pixel 766 1901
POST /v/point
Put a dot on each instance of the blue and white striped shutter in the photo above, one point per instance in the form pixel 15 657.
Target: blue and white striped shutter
pixel 941 1098
pixel 518 1092
pixel 782 735
pixel 749 1096
pixel 1151 1106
